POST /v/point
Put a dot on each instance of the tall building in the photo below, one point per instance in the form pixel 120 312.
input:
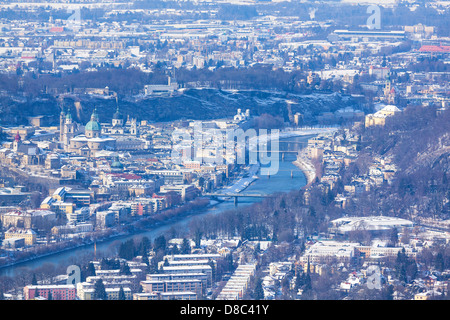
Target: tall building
pixel 117 118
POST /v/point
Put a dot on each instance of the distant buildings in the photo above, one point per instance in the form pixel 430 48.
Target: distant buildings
pixel 56 292
pixel 241 116
pixel 367 34
pixel 326 251
pixel 27 219
pixel 117 136
pixel 373 224
pixel 158 89
pixel 379 118
pixel 92 140
pixel 29 235
pixel 237 285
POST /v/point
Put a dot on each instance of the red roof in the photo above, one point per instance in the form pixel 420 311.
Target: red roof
pixel 445 49
pixel 127 176
pixel 56 29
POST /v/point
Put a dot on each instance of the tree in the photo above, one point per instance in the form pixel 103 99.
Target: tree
pixel 258 291
pixel 144 245
pixel 257 250
pixel 307 293
pixel 406 268
pixel 153 266
pixel 125 269
pixel 127 250
pixel 439 262
pixel 34 280
pixel 99 290
pixel 110 264
pixel 185 247
pixel 159 243
pixel 90 270
pixel 388 293
pixel 393 237
pixel 121 294
pixel 145 258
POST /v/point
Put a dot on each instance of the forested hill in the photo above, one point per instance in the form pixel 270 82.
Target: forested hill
pixel 418 141
pixel 202 104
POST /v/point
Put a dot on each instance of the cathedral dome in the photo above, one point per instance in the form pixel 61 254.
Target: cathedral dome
pixel 93 124
pixel 116 164
pixel 117 115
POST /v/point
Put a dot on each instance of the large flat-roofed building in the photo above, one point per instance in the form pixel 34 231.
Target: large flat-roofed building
pixel 58 292
pixel 187 191
pixel 378 252
pixel 168 88
pixel 374 224
pixel 112 281
pixel 12 196
pixel 323 251
pixel 79 197
pixel 206 269
pixel 238 283
pixel 146 296
pixel 369 34
pixel 188 295
pixel 172 286
pixel 203 277
pixel 379 118
pixel 13 243
pixel 27 219
pixel 193 256
pixel 28 234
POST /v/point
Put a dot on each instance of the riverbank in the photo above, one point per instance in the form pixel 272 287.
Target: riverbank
pixel 281 182
pixel 303 162
pixel 143 225
pixel 151 222
pixel 306 166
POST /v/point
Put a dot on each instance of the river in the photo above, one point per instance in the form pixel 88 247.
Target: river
pixel 288 177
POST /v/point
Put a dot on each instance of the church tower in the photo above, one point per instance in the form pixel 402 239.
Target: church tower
pixel 117 119
pixel 69 130
pixel 62 117
pixel 134 130
pixel 17 142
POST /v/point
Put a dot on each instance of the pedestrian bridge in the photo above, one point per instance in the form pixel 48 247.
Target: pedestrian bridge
pixel 236 195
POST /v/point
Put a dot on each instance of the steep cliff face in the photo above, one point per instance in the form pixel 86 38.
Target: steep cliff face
pixel 16 110
pixel 418 143
pixel 191 104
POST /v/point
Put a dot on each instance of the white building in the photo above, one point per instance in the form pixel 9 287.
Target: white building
pixel 373 223
pixel 323 251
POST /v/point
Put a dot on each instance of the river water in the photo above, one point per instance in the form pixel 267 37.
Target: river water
pixel 289 177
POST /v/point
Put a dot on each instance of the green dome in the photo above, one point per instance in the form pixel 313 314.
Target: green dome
pixel 93 126
pixel 116 164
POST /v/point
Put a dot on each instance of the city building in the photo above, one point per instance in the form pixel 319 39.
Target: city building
pixel 57 292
